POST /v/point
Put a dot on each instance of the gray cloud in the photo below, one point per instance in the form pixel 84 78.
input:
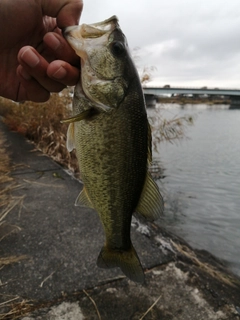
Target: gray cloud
pixel 190 42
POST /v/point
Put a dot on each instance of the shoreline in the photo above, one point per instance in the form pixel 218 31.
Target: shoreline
pixel 188 100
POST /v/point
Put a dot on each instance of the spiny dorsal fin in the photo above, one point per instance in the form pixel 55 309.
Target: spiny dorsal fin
pixel 83 199
pixel 151 202
pixel 70 137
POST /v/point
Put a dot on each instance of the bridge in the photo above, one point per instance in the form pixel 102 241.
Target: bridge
pixel 152 92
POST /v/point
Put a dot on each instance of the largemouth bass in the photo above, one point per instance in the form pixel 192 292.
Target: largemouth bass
pixel 112 137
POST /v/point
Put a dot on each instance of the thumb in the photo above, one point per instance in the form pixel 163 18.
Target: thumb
pixel 67 12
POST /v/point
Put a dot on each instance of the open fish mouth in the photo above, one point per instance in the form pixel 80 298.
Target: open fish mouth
pixel 100 28
pixel 74 34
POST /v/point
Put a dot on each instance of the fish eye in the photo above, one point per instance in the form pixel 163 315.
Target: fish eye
pixel 117 48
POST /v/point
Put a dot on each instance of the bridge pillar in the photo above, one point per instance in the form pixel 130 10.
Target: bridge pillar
pixel 150 100
pixel 235 102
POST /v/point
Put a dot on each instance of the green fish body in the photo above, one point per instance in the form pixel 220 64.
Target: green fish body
pixel 112 137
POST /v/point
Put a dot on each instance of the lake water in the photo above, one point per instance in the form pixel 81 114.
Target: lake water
pixel 201 187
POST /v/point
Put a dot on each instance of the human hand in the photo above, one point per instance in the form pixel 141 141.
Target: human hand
pixel 34 57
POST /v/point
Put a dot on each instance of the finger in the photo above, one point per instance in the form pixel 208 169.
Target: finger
pixel 67 12
pixel 63 72
pixel 36 67
pixel 60 48
pixel 29 88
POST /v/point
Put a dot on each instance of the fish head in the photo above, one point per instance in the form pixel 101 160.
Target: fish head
pixel 106 64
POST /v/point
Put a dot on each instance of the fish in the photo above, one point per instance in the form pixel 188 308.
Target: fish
pixel 111 134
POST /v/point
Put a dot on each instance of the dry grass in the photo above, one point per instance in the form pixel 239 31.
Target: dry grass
pixel 7 204
pixel 94 304
pixel 7 201
pixel 6 182
pixel 7 185
pixel 150 308
pixel 207 268
pixel 170 130
pixel 15 308
pixel 40 123
pixel 12 259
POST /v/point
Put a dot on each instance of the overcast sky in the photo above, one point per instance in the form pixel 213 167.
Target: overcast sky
pixel 190 42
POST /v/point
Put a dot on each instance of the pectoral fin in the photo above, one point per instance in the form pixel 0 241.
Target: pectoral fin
pixel 151 202
pixel 70 137
pixel 83 199
pixel 78 117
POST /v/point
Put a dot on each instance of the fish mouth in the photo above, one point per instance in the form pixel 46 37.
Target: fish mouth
pixel 76 35
pixel 98 29
pixel 80 39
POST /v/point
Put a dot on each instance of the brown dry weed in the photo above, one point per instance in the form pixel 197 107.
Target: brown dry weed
pixel 7 185
pixel 40 123
pixel 7 204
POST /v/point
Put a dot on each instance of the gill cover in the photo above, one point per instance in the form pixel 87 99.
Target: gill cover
pixel 103 50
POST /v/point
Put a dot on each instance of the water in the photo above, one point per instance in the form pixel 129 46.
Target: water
pixel 202 183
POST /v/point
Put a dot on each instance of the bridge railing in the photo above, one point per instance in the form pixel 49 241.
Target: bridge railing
pixel 203 90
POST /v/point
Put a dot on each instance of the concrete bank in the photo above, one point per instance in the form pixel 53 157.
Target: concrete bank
pixel 55 246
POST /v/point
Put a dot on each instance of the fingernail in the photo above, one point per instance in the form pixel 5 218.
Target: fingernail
pixel 25 74
pixel 60 73
pixel 30 58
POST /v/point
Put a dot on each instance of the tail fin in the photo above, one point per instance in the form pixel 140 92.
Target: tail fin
pixel 128 261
